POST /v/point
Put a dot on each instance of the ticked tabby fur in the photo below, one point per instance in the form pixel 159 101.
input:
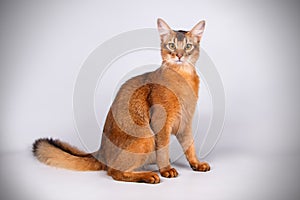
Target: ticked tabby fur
pixel 146 111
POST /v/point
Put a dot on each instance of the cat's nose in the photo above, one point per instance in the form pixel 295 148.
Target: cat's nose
pixel 179 55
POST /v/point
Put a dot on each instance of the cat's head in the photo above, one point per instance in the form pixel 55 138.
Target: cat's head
pixel 180 47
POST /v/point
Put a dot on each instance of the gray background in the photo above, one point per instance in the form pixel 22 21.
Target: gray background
pixel 254 45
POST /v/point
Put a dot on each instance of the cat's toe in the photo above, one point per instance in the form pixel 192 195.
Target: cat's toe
pixel 169 173
pixel 201 166
pixel 152 178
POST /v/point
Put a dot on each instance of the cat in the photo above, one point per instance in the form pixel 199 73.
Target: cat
pixel 145 112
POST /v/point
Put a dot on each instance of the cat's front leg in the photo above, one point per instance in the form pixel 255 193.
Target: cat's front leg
pixel 195 164
pixel 187 143
pixel 162 141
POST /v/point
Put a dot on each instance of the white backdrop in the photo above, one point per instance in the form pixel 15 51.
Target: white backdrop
pixel 254 45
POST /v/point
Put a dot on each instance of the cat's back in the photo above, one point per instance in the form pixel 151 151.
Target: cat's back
pixel 166 78
pixel 133 84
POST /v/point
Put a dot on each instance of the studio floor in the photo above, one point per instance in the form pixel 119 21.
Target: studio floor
pixel 234 175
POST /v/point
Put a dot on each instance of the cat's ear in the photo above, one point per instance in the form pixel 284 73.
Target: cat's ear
pixel 198 29
pixel 163 29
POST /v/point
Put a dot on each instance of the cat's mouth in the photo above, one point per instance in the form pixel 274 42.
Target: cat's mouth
pixel 179 59
pixel 176 60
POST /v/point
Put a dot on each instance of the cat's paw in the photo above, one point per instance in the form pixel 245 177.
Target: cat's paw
pixel 200 166
pixel 169 173
pixel 151 178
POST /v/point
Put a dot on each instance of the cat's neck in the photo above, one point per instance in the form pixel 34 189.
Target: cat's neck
pixel 182 68
pixel 187 71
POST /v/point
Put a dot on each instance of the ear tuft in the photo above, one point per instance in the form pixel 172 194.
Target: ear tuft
pixel 163 28
pixel 198 30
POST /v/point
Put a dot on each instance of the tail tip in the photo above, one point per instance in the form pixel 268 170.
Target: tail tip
pixel 38 142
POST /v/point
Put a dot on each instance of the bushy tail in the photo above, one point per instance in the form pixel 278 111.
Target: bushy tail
pixel 60 154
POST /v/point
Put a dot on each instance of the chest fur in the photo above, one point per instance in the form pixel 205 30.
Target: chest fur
pixel 178 94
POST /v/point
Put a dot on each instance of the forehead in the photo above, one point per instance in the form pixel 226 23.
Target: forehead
pixel 180 35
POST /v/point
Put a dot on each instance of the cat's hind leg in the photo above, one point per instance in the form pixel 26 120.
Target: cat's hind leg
pixel 123 164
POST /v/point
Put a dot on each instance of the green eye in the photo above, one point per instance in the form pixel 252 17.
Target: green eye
pixel 171 46
pixel 188 46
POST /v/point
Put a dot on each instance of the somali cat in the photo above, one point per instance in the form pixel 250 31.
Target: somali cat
pixel 146 111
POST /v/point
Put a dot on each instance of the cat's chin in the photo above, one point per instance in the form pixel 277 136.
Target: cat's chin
pixel 179 62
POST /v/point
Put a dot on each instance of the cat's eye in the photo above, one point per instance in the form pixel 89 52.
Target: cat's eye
pixel 188 46
pixel 171 46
